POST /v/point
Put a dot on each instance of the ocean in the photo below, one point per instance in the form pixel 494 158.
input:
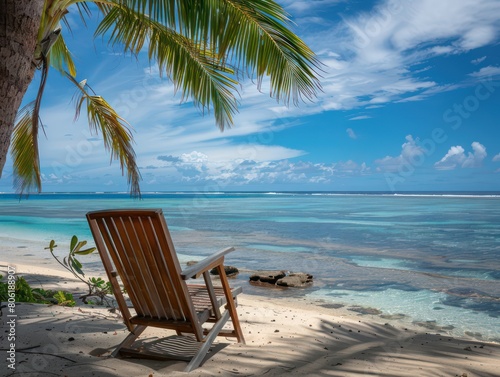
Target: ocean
pixel 432 259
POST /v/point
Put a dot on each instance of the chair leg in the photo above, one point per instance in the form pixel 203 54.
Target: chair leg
pixel 230 305
pixel 129 340
pixel 207 343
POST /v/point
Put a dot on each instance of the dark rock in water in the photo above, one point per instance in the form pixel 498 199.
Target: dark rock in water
pixel 433 325
pixel 231 271
pixel 281 279
pixel 191 262
pixel 364 310
pixel 474 334
pixel 393 316
pixel 296 280
pixel 332 306
pixel 270 277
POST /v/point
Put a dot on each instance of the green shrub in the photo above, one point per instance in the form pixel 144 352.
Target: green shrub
pixel 25 293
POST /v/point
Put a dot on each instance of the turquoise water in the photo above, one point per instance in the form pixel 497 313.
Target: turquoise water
pixel 430 257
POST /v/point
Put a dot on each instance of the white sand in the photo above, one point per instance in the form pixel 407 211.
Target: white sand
pixel 283 337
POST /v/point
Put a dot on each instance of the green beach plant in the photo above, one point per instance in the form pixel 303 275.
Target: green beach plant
pixel 205 47
pixel 23 292
pixel 64 298
pixel 97 287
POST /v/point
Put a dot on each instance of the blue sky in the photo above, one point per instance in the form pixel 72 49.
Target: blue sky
pixel 410 101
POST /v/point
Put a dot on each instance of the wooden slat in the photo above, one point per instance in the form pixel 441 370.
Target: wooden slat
pixel 170 257
pixel 134 243
pixel 122 266
pixel 163 277
pixel 131 270
pixel 182 326
pixel 97 234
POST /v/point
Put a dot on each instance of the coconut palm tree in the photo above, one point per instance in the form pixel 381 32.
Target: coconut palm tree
pixel 203 46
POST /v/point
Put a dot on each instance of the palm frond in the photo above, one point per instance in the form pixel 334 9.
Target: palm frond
pixel 197 72
pixel 258 34
pixel 116 135
pixel 54 13
pixel 24 152
pixel 60 57
pixel 255 36
pixel 166 12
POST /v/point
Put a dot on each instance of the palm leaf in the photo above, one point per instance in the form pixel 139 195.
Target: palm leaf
pixel 253 35
pixel 24 152
pixel 260 37
pixel 55 11
pixel 195 71
pixel 116 135
pixel 60 57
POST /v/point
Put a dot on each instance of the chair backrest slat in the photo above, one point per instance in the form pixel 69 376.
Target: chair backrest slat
pixel 139 245
pixel 166 286
pixel 132 277
pixel 134 249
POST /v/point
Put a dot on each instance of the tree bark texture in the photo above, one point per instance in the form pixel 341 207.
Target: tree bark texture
pixel 19 23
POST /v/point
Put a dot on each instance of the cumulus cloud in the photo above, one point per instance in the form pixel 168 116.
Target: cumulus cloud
pixel 456 157
pixel 475 158
pixel 496 158
pixel 411 153
pixel 351 133
pixel 194 157
pixel 198 168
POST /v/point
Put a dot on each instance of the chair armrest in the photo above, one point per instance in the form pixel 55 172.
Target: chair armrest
pixel 206 264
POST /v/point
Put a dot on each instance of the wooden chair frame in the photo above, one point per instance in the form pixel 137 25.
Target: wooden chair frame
pixel 136 248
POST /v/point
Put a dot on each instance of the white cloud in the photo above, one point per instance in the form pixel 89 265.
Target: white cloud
pixel 475 158
pixel 378 54
pixel 478 60
pixel 461 25
pixel 194 157
pixel 306 6
pixel 456 157
pixel 351 133
pixel 496 158
pixel 478 37
pixel 200 169
pixel 488 71
pixel 360 117
pixel 411 153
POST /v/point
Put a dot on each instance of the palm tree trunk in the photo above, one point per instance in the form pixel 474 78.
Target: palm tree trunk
pixel 19 23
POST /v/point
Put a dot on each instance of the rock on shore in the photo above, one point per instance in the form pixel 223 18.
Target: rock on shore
pixel 282 279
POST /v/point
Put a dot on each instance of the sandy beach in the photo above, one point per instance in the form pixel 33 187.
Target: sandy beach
pixel 283 337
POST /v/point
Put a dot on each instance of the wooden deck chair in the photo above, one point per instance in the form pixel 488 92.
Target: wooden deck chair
pixel 137 251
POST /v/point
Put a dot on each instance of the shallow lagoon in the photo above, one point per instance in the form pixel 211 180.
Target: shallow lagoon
pixel 434 258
